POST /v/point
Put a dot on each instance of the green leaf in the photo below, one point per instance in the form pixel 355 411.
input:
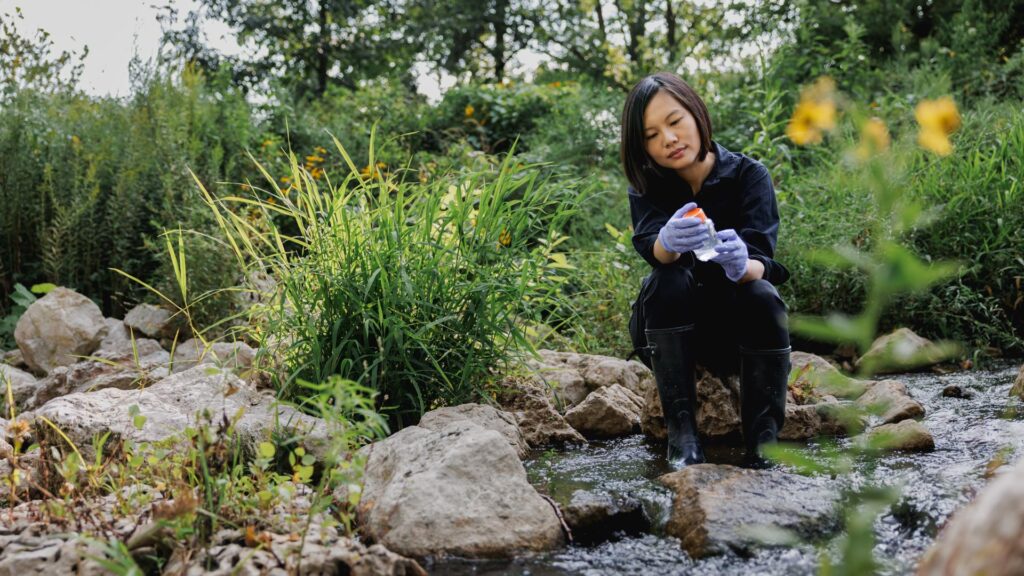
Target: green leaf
pixel 139 421
pixel 266 450
pixel 44 288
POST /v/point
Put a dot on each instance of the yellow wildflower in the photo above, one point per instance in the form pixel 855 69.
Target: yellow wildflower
pixel 816 112
pixel 314 159
pixel 266 143
pixel 505 238
pixel 469 110
pixel 938 119
pixel 874 138
pixel 320 150
pixel 555 84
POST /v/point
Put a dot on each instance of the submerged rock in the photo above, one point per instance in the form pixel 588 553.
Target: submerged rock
pixel 986 537
pixel 909 435
pixel 595 517
pixel 1018 384
pixel 460 490
pixel 890 399
pixel 607 413
pixel 720 508
pixel 57 328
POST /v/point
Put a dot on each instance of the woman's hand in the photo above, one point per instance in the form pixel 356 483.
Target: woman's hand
pixel 732 255
pixel 681 234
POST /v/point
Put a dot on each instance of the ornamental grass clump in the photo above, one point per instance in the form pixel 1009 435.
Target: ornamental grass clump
pixel 419 290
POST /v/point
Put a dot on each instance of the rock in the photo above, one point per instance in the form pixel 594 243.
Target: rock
pixel 149 320
pixel 890 399
pixel 900 351
pixel 118 342
pixel 908 435
pixel 23 386
pixel 570 377
pixel 171 405
pixel 718 411
pixel 457 491
pixel 802 423
pixel 15 358
pixel 954 391
pixel 716 506
pixel 486 416
pixel 51 554
pixel 1018 384
pixel 231 355
pixel 122 372
pixel 607 412
pixel 595 517
pixel 538 420
pixel 984 537
pixel 29 475
pixel 840 417
pixel 812 377
pixel 58 327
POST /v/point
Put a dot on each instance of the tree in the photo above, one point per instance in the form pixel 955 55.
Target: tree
pixel 307 45
pixel 27 62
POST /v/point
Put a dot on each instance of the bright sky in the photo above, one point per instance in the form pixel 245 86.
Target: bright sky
pixel 115 30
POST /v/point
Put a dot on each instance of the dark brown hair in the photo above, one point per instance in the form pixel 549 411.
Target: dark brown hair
pixel 640 169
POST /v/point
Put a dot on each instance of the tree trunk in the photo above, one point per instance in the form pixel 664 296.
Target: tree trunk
pixel 670 32
pixel 600 21
pixel 323 46
pixel 500 26
pixel 637 25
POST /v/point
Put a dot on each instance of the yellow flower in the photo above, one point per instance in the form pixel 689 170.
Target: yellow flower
pixel 816 112
pixel 938 119
pixel 316 172
pixel 76 141
pixel 314 159
pixel 320 150
pixel 469 111
pixel 505 238
pixel 934 140
pixel 266 143
pixel 555 84
pixel 874 138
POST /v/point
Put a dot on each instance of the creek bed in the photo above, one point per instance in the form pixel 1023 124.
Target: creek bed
pixel 968 432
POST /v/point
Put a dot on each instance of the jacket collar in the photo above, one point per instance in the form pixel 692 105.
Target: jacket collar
pixel 727 165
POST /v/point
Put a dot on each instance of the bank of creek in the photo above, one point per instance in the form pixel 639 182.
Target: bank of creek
pixel 969 433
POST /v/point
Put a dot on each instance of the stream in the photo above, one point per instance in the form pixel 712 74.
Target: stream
pixel 968 432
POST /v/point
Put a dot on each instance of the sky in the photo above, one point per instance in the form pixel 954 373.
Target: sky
pixel 115 30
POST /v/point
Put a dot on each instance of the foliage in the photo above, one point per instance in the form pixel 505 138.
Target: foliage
pixel 30 64
pixel 415 289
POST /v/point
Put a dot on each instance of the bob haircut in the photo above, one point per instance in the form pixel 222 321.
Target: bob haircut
pixel 641 170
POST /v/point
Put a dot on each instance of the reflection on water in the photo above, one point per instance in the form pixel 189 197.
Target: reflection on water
pixel 968 434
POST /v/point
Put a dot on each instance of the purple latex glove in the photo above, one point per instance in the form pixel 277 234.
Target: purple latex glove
pixel 732 254
pixel 681 234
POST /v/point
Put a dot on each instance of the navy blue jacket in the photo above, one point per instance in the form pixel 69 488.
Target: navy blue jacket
pixel 737 194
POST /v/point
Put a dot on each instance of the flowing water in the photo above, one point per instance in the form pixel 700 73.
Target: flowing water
pixel 969 433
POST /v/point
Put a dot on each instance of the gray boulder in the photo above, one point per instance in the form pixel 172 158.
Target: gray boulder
pixel 171 405
pixel 118 342
pixel 457 491
pixel 58 327
pixel 1018 385
pixel 899 351
pixel 890 400
pixel 230 355
pixel 595 517
pixel 908 435
pixel 607 412
pixel 719 508
pixel 539 422
pixel 486 416
pixel 23 386
pixel 718 408
pixel 124 372
pixel 570 377
pixel 985 537
pixel 149 320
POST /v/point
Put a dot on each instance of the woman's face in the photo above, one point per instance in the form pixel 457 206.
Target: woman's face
pixel 670 132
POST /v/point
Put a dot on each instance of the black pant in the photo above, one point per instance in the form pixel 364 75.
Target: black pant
pixel 727 315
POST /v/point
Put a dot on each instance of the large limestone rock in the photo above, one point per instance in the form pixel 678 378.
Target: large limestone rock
pixel 716 507
pixel 1018 384
pixel 538 420
pixel 457 491
pixel 23 386
pixel 892 402
pixel 125 372
pixel 57 328
pixel 118 342
pixel 171 405
pixel 231 355
pixel 149 320
pixel 43 555
pixel 570 377
pixel 486 416
pixel 986 537
pixel 607 412
pixel 802 423
pixel 899 351
pixel 813 377
pixel 718 408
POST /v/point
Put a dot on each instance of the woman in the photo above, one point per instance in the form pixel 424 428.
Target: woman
pixel 724 313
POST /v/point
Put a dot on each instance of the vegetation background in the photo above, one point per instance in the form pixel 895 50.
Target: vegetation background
pixel 88 184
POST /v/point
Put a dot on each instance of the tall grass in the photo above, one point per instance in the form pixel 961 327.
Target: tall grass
pixel 418 290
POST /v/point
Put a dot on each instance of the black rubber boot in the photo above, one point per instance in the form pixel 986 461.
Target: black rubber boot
pixel 672 357
pixel 764 375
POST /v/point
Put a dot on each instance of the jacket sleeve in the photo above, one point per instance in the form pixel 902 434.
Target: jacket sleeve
pixel 647 222
pixel 760 217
